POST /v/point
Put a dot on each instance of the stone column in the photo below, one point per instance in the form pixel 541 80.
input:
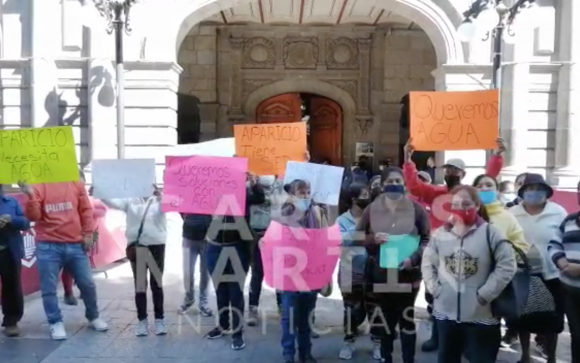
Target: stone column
pixel 514 107
pixel 567 171
pixel 235 112
pixel 43 73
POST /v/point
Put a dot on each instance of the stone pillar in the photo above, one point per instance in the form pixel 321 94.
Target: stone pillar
pixel 42 69
pixel 514 105
pixel 464 77
pixel 567 171
pixel 151 110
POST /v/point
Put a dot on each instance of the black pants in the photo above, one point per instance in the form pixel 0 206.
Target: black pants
pixel 257 272
pixel 12 298
pixel 455 339
pixel 356 310
pixel 572 304
pixel 152 259
pixel 397 309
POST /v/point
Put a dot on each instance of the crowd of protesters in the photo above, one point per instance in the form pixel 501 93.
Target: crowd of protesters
pixel 480 245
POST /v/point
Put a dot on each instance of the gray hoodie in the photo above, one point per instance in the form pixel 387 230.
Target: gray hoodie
pixel 457 269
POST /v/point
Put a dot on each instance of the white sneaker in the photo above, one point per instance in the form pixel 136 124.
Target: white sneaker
pixel 347 351
pixel 160 328
pixel 377 351
pixel 57 331
pixel 142 329
pixel 99 325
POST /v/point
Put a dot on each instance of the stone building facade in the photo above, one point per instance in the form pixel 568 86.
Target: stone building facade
pixel 196 67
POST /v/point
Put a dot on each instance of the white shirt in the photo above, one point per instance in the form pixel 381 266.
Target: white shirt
pixel 154 224
pixel 540 229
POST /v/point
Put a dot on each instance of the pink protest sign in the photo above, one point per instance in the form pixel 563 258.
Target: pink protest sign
pixel 205 185
pixel 297 259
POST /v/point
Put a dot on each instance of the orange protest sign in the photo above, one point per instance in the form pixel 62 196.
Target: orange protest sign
pixel 269 146
pixel 454 120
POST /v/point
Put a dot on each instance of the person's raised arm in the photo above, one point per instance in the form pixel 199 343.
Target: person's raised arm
pixel 495 163
pixel 35 197
pixel 426 192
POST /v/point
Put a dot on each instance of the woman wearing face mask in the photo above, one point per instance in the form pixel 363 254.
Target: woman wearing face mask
pixel 299 211
pixel 351 269
pixel 393 215
pixel 506 192
pixel 565 253
pixel 540 218
pixel 517 185
pixel 464 278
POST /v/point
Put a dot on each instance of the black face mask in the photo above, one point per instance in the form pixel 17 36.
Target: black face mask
pixel 362 203
pixel 452 180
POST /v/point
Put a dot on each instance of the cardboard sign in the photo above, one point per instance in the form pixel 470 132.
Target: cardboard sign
pixel 397 249
pixel 297 259
pixel 125 178
pixel 205 185
pixel 42 155
pixel 454 120
pixel 325 180
pixel 270 146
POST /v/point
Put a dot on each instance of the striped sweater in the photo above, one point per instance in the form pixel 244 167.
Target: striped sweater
pixel 567 245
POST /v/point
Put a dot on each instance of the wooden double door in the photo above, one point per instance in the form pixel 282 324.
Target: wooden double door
pixel 325 124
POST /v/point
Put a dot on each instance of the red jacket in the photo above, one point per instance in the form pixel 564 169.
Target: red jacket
pixel 427 193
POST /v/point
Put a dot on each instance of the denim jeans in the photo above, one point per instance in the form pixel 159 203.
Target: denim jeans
pixel 229 278
pixel 191 251
pixel 297 317
pixel 52 258
pixel 257 272
pixel 455 339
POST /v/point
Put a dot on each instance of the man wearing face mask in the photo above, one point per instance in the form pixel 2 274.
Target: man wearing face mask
pixel 454 173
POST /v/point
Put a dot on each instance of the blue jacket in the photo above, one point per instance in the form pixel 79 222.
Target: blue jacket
pixel 347 226
pixel 10 236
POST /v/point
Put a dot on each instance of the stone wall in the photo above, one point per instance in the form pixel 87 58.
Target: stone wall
pixel 400 61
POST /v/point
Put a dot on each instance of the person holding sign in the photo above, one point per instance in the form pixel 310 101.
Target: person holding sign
pixel 397 230
pixel 146 234
pixel 12 223
pixel 228 257
pixel 454 173
pixel 351 274
pixel 466 266
pixel 298 307
pixel 64 227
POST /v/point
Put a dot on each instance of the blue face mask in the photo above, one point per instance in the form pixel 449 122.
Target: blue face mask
pixel 487 196
pixel 302 204
pixel 394 191
pixel 534 197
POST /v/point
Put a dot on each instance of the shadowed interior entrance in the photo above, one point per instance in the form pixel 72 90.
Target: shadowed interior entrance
pixel 322 115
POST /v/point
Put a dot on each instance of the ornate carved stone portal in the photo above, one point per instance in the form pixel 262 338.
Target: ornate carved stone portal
pixel 301 52
pixel 342 53
pixel 259 53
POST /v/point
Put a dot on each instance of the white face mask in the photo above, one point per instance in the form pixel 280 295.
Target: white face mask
pixel 266 180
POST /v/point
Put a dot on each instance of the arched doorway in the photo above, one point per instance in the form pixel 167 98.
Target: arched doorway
pixel 324 118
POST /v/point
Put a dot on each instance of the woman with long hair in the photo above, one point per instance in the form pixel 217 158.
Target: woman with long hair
pixel 394 219
pixel 466 265
pixel 353 202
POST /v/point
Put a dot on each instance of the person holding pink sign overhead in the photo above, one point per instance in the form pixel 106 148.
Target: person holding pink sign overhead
pixel 298 306
pixel 228 258
pixel 399 228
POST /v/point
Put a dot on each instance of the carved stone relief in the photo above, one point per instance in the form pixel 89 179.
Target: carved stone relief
pixel 365 123
pixel 301 52
pixel 348 85
pixel 250 85
pixel 342 53
pixel 259 53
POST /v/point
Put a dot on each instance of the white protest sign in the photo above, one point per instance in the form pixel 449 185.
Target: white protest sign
pixel 225 147
pixel 325 180
pixel 124 178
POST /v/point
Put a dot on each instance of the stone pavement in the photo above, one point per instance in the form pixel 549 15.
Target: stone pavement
pixel 185 342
